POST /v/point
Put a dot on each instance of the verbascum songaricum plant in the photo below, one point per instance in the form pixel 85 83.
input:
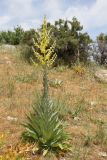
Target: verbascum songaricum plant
pixel 44 53
pixel 43 125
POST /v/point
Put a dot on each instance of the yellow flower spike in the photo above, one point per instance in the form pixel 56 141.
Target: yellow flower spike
pixel 44 52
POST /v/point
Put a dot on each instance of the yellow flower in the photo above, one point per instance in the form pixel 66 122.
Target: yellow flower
pixel 44 54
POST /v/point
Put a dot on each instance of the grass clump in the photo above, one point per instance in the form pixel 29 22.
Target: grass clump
pixel 2 140
pixel 61 68
pixel 27 78
pixel 88 139
pixel 101 134
pixel 10 88
pixel 26 53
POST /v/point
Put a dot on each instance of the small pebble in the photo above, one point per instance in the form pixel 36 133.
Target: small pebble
pixel 9 118
pixel 103 154
pixel 76 118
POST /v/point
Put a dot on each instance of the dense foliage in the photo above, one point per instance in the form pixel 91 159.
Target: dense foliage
pixel 102 46
pixel 12 37
pixel 71 42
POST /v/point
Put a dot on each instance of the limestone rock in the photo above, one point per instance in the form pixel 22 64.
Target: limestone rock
pixel 101 75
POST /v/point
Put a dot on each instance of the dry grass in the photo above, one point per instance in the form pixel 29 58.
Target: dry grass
pixel 17 95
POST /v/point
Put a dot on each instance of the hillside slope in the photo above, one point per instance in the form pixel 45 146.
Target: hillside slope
pixel 85 111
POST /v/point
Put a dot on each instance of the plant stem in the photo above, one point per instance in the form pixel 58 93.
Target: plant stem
pixel 45 83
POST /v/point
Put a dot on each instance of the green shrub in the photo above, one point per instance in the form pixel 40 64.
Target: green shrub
pixel 45 128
